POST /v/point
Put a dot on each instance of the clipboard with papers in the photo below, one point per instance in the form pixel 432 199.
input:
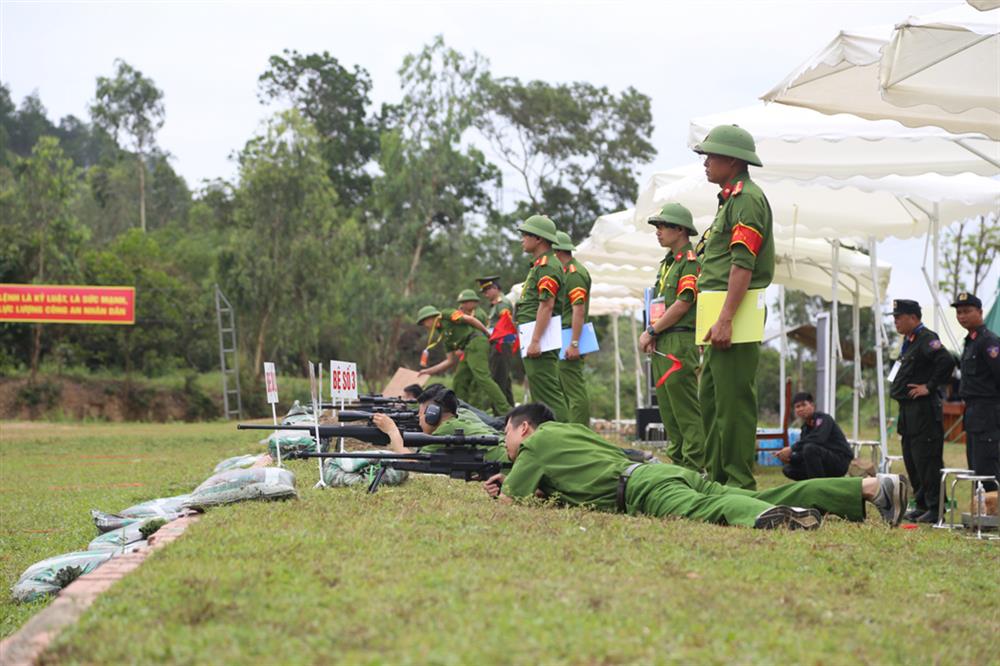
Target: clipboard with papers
pixel 748 322
pixel 551 338
pixel 588 340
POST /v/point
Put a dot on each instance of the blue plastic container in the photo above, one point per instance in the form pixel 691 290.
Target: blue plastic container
pixel 764 458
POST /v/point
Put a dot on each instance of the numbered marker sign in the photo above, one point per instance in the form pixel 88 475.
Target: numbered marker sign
pixel 270 383
pixel 343 380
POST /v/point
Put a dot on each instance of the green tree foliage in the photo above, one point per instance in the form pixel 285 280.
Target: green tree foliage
pixel 969 251
pixel 574 147
pixel 130 106
pixel 335 100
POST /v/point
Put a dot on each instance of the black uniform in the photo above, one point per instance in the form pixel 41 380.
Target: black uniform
pixel 980 389
pixel 923 360
pixel 821 452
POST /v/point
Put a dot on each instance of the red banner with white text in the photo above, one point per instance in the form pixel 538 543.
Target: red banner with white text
pixel 64 304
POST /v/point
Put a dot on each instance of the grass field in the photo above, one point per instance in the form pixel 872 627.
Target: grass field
pixel 435 572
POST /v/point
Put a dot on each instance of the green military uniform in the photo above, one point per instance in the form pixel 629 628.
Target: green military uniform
pixel 575 291
pixel 472 378
pixel 571 463
pixel 741 235
pixel 922 360
pixel 501 351
pixel 469 424
pixel 543 282
pixel 677 393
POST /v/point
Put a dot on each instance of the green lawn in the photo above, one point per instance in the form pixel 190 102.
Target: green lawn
pixel 435 572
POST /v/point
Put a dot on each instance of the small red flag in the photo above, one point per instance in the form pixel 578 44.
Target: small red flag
pixel 504 331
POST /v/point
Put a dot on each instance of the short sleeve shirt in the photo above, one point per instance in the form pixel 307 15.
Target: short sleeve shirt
pixel 576 290
pixel 544 281
pixel 981 366
pixel 741 235
pixel 677 280
pixel 568 462
pixel 455 333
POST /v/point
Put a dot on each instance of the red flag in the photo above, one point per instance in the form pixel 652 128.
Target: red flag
pixel 674 368
pixel 504 331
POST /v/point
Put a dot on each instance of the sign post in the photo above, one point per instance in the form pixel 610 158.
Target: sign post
pixel 271 386
pixel 343 386
pixel 315 393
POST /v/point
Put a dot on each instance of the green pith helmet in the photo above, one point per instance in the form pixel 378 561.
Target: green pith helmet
pixel 468 295
pixel 427 311
pixel 563 242
pixel 541 226
pixel 731 141
pixel 674 213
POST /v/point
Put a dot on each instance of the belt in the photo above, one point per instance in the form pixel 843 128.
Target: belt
pixel 679 329
pixel 622 482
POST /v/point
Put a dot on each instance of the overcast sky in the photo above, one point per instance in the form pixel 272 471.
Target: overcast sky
pixel 692 58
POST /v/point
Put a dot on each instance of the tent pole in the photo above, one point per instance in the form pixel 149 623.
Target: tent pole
pixel 935 233
pixel 639 402
pixel 834 329
pixel 856 338
pixel 784 352
pixel 879 369
pixel 618 389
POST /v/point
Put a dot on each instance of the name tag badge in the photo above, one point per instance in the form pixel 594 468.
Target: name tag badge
pixel 893 371
pixel 656 309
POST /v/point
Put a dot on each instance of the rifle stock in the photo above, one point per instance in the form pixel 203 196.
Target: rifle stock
pixel 379 438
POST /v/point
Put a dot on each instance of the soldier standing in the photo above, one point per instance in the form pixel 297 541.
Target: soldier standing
pixel 923 366
pixel 502 351
pixel 573 305
pixel 464 339
pixel 980 389
pixel 468 303
pixel 737 254
pixel 670 338
pixel 537 304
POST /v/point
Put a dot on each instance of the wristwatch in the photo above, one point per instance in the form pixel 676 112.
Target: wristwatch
pixel 650 331
pixel 574 343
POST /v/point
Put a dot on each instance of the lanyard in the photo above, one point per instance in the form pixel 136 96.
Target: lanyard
pixel 431 340
pixel 664 274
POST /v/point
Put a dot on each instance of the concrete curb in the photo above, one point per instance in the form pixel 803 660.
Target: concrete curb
pixel 23 647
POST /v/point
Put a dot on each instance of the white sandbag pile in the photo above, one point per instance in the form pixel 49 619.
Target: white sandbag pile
pixel 238 485
pixel 55 573
pixel 340 472
pixel 240 462
pixel 167 508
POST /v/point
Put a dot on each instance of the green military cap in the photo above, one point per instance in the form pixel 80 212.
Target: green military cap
pixel 904 306
pixel 563 242
pixel 677 215
pixel 541 226
pixel 488 281
pixel 427 311
pixel 965 298
pixel 731 141
pixel 468 295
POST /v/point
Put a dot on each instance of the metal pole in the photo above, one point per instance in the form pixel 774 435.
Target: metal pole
pixel 879 368
pixel 784 351
pixel 638 361
pixel 834 328
pixel 935 229
pixel 856 338
pixel 618 389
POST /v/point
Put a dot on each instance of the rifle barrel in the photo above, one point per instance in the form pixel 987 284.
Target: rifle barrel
pixel 376 436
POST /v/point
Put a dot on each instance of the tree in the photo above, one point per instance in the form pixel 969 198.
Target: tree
pixel 284 231
pixel 970 249
pixel 44 235
pixel 132 105
pixel 575 147
pixel 336 101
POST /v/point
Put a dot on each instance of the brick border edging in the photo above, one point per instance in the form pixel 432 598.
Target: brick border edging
pixel 23 647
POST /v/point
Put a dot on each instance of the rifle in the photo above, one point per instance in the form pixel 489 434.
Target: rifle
pixel 457 462
pixel 379 438
pixel 405 420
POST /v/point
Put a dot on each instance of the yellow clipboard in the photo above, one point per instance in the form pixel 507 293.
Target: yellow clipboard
pixel 748 322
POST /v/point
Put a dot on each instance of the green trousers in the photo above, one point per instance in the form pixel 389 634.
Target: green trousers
pixel 473 382
pixel 543 380
pixel 677 399
pixel 500 368
pixel 574 388
pixel 670 490
pixel 728 396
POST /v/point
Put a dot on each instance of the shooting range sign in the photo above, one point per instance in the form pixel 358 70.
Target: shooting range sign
pixel 57 304
pixel 270 383
pixel 343 380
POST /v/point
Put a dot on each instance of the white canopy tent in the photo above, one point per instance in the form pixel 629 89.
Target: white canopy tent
pixel 800 143
pixel 843 77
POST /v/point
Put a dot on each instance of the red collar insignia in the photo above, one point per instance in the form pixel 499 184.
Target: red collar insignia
pixel 973 334
pixel 732 190
pixel 678 256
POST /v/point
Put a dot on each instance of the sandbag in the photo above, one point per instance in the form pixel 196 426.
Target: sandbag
pixel 168 508
pixel 238 462
pixel 118 540
pixel 238 485
pixel 340 472
pixel 290 441
pixel 43 577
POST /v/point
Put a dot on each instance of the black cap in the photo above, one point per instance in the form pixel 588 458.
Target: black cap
pixel 904 306
pixel 965 298
pixel 486 282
